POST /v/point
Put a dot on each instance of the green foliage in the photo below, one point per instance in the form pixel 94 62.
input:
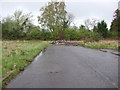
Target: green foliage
pixel 55 24
pixel 115 25
pixel 82 27
pixel 102 29
pixel 71 34
pixel 33 34
pixel 98 45
pixel 10 29
pixel 15 26
pixel 96 36
pixel 55 18
pixel 81 34
pixel 113 34
pixel 18 55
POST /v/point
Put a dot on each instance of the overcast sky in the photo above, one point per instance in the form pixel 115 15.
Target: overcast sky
pixel 81 9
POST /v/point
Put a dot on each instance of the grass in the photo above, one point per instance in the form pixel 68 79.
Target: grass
pixel 102 44
pixel 16 55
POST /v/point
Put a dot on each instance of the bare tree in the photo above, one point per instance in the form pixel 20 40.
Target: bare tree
pixel 90 23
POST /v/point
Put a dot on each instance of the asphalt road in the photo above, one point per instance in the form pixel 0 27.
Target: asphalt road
pixel 70 67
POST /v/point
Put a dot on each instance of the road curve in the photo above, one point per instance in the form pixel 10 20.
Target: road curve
pixel 70 67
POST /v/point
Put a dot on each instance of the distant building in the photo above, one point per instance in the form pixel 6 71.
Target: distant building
pixel 119 5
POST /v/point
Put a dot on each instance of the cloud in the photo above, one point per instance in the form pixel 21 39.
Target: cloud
pixel 84 9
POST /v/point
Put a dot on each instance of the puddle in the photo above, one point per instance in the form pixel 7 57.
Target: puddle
pixel 38 56
pixel 111 51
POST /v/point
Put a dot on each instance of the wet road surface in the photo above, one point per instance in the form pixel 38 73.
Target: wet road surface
pixel 70 67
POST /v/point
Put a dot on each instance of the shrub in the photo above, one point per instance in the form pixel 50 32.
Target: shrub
pixel 33 34
pixel 113 34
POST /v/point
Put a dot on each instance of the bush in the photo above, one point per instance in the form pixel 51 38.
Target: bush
pixel 96 37
pixel 113 34
pixel 71 34
pixel 33 34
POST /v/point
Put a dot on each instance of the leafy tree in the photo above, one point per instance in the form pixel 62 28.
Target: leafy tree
pixel 55 18
pixel 24 20
pixel 115 25
pixel 102 29
pixel 16 26
pixel 8 29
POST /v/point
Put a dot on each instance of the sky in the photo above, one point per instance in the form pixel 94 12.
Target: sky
pixel 81 9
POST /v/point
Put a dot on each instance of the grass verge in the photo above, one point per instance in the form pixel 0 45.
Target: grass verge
pixel 16 55
pixel 102 44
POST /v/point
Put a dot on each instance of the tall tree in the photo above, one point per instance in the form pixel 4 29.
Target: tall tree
pixel 55 18
pixel 102 28
pixel 115 25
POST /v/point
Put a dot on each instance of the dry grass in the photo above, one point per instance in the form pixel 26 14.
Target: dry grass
pixel 102 44
pixel 108 42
